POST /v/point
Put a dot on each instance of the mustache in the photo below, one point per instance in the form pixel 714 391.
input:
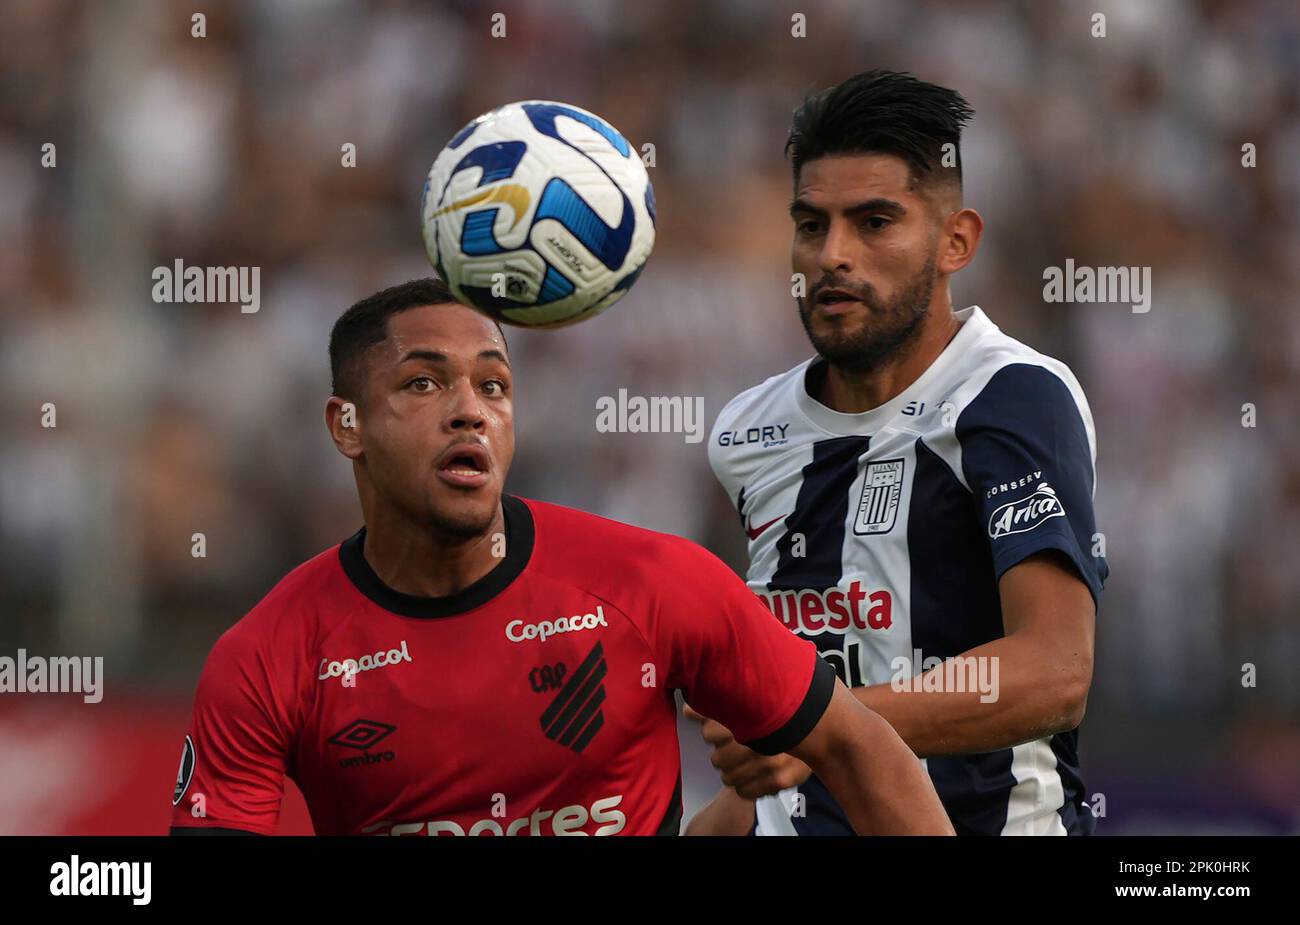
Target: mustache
pixel 859 290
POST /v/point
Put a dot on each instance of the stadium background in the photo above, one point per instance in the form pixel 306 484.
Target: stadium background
pixel 225 150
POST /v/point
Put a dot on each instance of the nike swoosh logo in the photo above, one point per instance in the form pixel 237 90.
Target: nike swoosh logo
pixel 512 194
pixel 755 532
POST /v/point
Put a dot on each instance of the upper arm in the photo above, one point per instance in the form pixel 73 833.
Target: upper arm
pixel 1044 600
pixel 839 724
pixel 732 659
pixel 1044 595
pixel 1027 457
pixel 235 753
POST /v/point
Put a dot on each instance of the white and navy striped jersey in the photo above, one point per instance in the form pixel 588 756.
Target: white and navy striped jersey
pixel 880 533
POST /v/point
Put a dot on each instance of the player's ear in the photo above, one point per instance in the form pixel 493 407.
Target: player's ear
pixel 343 419
pixel 961 237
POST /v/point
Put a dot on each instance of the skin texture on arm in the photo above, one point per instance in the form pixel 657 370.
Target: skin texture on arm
pixel 728 813
pixel 874 776
pixel 871 772
pixel 1045 671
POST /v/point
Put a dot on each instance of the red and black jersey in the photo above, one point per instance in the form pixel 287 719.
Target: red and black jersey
pixel 539 700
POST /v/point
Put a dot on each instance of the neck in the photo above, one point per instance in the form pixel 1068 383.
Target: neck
pixel 852 391
pixel 424 561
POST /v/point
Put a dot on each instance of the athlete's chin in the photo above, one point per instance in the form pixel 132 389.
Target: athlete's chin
pixel 842 340
pixel 468 512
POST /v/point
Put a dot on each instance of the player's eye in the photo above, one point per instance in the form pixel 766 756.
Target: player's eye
pixel 808 226
pixel 420 384
pixel 495 388
pixel 878 222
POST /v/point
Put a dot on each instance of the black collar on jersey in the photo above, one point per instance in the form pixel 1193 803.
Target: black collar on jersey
pixel 519 548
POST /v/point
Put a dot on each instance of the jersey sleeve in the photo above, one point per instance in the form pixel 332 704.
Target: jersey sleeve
pixel 1027 457
pixel 236 748
pixel 734 661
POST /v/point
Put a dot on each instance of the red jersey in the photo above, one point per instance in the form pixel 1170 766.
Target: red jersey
pixel 539 700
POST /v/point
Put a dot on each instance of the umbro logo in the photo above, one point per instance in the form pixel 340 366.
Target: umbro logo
pixel 361 733
pixel 574 716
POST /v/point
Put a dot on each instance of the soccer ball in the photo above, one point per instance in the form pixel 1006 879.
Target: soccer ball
pixel 539 214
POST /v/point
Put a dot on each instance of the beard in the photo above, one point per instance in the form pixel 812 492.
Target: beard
pixel 888 328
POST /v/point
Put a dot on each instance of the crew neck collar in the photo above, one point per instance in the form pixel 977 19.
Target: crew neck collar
pixel 974 324
pixel 519 549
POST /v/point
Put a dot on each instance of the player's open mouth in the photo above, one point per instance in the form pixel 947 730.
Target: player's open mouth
pixel 830 299
pixel 464 465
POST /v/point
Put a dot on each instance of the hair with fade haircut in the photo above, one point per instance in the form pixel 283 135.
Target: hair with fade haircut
pixel 882 112
pixel 366 324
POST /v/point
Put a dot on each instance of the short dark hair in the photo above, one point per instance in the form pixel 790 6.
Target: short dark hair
pixel 881 112
pixel 366 324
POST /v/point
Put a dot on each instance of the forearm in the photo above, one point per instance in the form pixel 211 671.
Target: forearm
pixel 1031 695
pixel 879 783
pixel 728 813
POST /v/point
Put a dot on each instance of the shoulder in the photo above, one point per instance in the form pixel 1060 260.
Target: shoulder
pixel 1009 385
pixel 286 619
pixel 773 393
pixel 757 417
pixel 588 549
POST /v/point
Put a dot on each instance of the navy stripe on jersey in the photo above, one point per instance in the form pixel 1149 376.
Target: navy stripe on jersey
pixel 1075 814
pixel 954 593
pixel 955 607
pixel 819 515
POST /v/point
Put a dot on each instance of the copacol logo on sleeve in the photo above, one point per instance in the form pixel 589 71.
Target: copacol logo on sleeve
pixel 1027 513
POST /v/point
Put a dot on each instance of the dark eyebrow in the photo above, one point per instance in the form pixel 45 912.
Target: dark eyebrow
pixel 879 204
pixel 433 356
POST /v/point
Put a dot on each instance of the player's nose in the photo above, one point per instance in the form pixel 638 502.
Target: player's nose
pixel 836 255
pixel 464 410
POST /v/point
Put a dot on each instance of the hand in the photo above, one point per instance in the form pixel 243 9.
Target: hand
pixel 749 773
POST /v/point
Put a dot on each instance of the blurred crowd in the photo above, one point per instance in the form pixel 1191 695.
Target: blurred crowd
pixel 177 419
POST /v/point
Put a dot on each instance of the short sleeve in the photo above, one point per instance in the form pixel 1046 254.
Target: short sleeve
pixel 1027 457
pixel 234 756
pixel 733 660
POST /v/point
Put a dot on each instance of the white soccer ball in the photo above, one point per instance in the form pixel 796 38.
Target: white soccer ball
pixel 539 214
